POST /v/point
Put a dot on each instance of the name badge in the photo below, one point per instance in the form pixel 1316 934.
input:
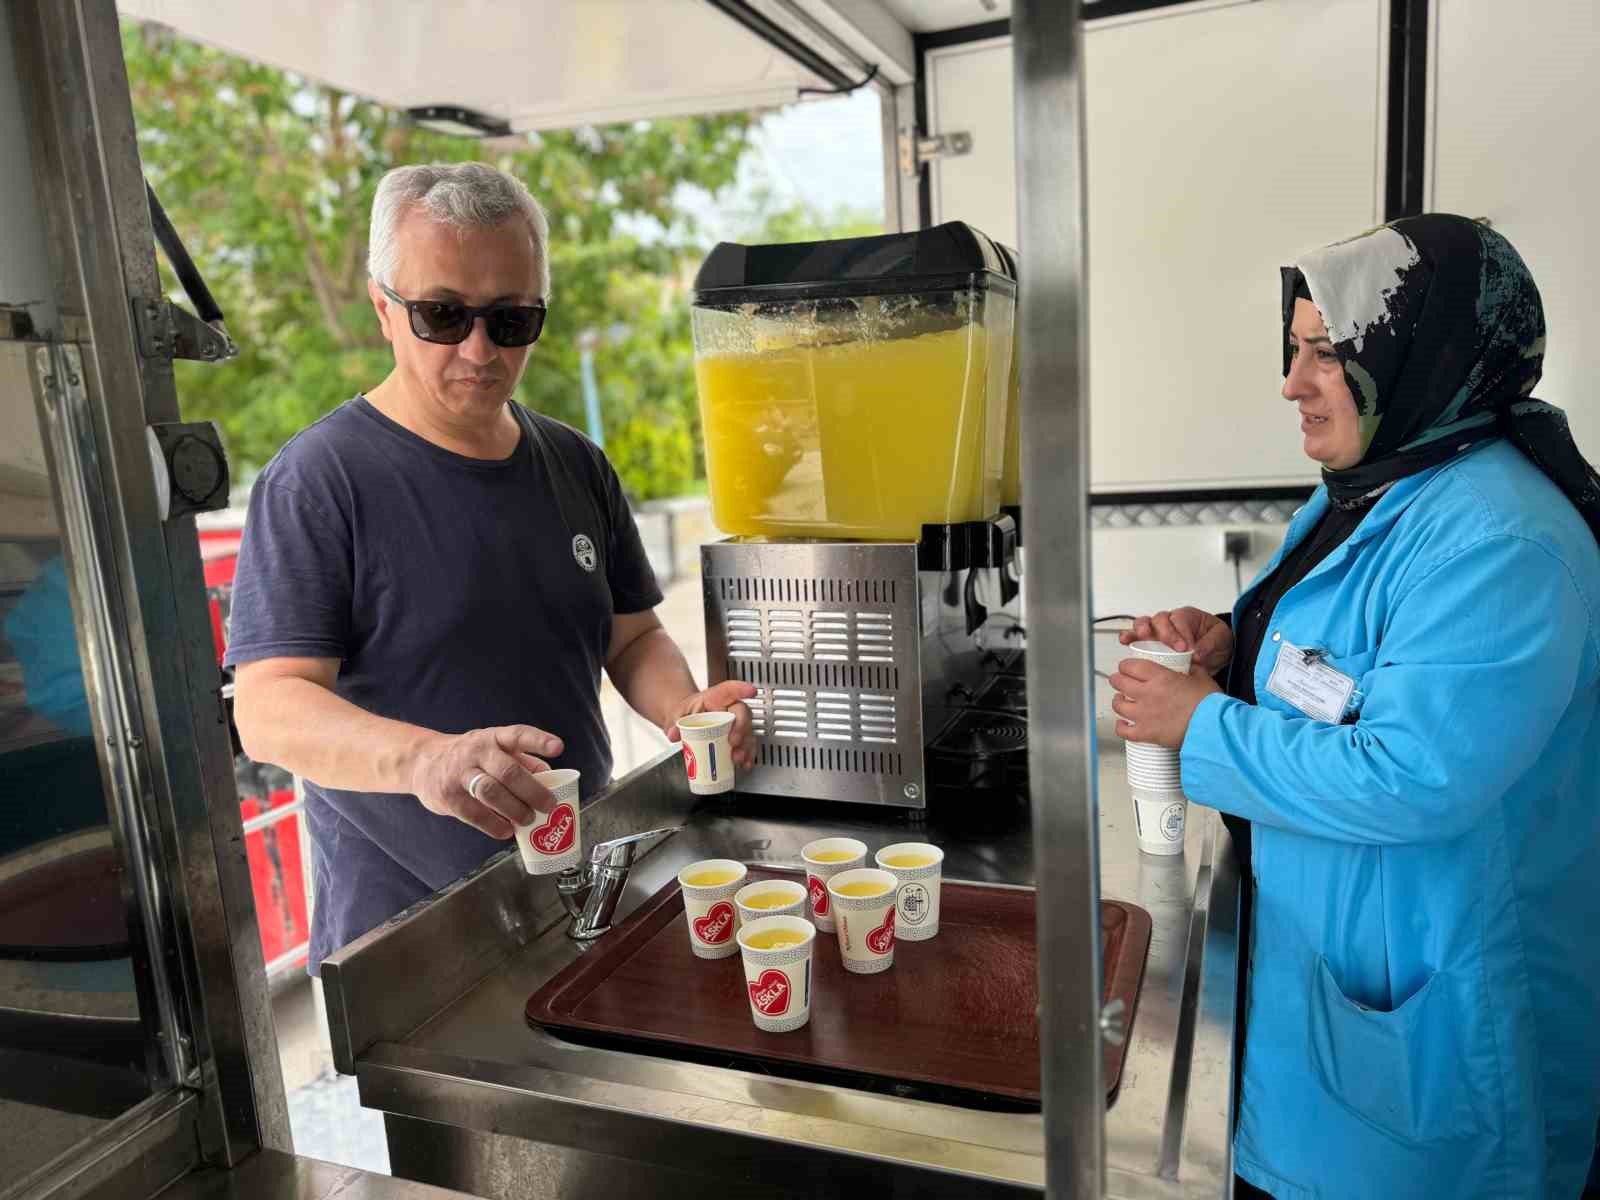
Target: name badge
pixel 1311 685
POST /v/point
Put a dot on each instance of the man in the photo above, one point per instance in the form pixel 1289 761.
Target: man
pixel 432 578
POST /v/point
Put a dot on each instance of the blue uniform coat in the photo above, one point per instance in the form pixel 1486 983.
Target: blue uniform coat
pixel 1424 997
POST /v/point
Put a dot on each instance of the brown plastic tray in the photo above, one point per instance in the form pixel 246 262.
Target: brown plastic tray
pixel 70 909
pixel 955 1018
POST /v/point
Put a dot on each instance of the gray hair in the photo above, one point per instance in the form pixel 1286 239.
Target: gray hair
pixel 468 195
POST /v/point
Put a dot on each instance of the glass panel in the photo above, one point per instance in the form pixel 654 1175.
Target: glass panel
pixel 74 1051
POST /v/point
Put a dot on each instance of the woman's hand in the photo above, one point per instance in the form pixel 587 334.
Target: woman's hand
pixel 1154 704
pixel 1187 629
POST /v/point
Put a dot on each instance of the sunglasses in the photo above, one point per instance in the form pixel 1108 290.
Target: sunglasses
pixel 448 323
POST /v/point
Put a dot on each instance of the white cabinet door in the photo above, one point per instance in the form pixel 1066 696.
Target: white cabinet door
pixel 1222 141
pixel 1516 138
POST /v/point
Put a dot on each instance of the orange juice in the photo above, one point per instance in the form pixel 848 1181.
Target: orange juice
pixel 774 939
pixel 908 862
pixel 864 888
pixel 710 878
pixel 815 440
pixel 832 856
pixel 768 900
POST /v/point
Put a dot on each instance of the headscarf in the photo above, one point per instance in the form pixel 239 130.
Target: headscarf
pixel 1441 332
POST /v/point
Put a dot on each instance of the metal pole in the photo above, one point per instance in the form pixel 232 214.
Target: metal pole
pixel 1047 49
pixel 587 341
pixel 96 226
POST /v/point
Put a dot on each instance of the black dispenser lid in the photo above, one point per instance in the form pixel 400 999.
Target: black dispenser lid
pixel 949 255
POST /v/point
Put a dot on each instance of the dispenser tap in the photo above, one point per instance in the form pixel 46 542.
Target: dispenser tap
pixel 590 892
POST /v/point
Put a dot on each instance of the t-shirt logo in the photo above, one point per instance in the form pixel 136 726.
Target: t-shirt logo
pixel 583 551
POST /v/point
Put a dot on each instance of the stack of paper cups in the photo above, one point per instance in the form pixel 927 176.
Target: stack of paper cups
pixel 1159 805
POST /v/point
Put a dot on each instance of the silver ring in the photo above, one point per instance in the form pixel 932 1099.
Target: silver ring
pixel 472 786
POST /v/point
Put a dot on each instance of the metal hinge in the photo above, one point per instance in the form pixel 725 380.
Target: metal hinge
pixel 167 330
pixel 916 151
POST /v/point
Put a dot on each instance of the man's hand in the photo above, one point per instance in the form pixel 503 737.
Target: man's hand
pixel 1155 704
pixel 724 697
pixel 507 795
pixel 1187 629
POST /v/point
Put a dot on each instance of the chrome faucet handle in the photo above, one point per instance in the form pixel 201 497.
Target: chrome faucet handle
pixel 618 852
pixel 590 892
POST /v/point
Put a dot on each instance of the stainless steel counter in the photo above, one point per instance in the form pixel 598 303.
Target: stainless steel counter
pixel 427 1011
pixel 274 1175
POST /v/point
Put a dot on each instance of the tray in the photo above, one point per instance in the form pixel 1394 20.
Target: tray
pixel 954 1020
pixel 69 910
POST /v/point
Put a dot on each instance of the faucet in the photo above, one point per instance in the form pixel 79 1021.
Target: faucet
pixel 590 892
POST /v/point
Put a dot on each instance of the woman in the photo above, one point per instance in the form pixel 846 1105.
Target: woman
pixel 1412 729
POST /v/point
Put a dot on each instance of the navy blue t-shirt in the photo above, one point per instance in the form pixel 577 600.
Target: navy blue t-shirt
pixel 456 594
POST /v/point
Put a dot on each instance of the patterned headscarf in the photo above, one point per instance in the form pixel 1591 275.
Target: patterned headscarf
pixel 1441 333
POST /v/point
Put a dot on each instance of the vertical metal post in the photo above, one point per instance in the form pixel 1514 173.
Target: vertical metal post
pixel 1047 49
pixel 96 227
pixel 587 341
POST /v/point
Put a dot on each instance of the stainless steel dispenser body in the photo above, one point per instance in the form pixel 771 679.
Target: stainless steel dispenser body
pixel 860 659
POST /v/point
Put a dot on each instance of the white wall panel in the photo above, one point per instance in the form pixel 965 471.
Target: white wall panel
pixel 969 90
pixel 1516 138
pixel 1221 142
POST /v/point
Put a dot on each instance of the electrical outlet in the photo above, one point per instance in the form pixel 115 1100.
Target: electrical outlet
pixel 1235 545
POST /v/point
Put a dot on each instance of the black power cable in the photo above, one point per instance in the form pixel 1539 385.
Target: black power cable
pixel 872 73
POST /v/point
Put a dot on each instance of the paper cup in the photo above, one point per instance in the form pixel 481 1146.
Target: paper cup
pixel 864 924
pixel 916 905
pixel 778 981
pixel 789 895
pixel 1155 777
pixel 707 758
pixel 552 843
pixel 1149 752
pixel 1159 819
pixel 820 870
pixel 708 908
pixel 1160 652
pixel 1152 767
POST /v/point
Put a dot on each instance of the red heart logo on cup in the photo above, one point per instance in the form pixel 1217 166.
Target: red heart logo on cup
pixel 881 939
pixel 716 926
pixel 770 994
pixel 555 835
pixel 819 895
pixel 689 763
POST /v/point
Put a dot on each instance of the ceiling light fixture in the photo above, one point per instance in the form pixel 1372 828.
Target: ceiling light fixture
pixel 458 122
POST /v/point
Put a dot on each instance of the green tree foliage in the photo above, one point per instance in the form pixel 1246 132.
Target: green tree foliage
pixel 773 221
pixel 269 179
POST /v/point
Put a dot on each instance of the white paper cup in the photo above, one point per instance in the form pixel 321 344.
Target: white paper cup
pixel 818 873
pixel 778 981
pixel 709 910
pixel 1151 758
pixel 1154 777
pixel 1160 652
pixel 707 757
pixel 1159 819
pixel 864 924
pixel 554 842
pixel 1149 752
pixel 916 905
pixel 1152 767
pixel 793 895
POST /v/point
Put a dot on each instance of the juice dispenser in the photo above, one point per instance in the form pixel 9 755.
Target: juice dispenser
pixel 854 388
pixel 853 398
